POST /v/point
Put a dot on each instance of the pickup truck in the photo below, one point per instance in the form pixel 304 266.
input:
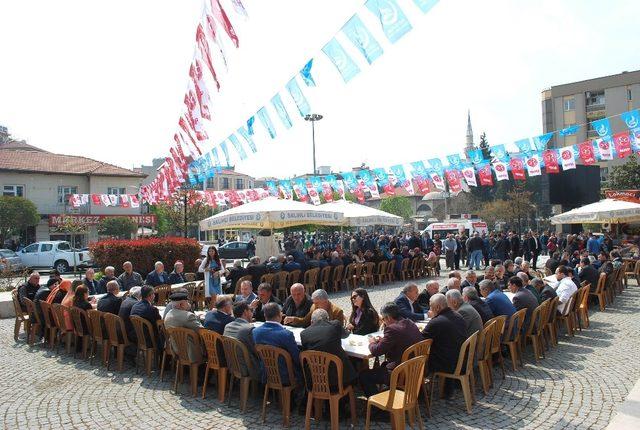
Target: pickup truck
pixel 57 255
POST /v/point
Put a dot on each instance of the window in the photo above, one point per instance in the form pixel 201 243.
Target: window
pixel 604 174
pixel 239 184
pixel 13 190
pixel 210 183
pixel 629 97
pixel 64 192
pixel 594 98
pixel 115 190
pixel 225 183
pixel 232 245
pixel 64 246
pixel 31 248
pixel 46 247
pixel 569 104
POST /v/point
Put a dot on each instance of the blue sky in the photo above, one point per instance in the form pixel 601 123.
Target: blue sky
pixel 106 80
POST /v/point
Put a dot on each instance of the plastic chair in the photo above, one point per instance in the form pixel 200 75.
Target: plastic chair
pixel 483 351
pixel 550 327
pixel 271 356
pixel 582 307
pixel 368 270
pixel 64 333
pixel 336 277
pixel 294 277
pixel 349 275
pixel 496 348
pixel 212 344
pixel 117 338
pixel 380 275
pixel 315 365
pixel 465 376
pixel 51 329
pixel 398 402
pixel 188 352
pixel 167 351
pixel 22 317
pixel 162 294
pixel 146 341
pixel 310 280
pixel 512 336
pixel 325 277
pixel 568 315
pixel 34 324
pixel 189 276
pixel 599 291
pixel 99 335
pixel 404 269
pixel 422 348
pixel 233 347
pixel 534 332
pixel 81 328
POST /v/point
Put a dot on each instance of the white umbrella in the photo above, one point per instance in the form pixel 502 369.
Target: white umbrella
pixel 604 211
pixel 272 213
pixel 356 215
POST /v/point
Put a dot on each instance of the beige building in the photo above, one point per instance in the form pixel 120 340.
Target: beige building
pixel 585 101
pixel 48 179
pixel 229 179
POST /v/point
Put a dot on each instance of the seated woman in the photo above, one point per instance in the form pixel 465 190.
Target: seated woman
pixel 364 318
pixel 81 300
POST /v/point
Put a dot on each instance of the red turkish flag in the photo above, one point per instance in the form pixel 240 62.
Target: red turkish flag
pixel 550 157
pixel 623 144
pixel 203 45
pixel 423 184
pixel 485 175
pixel 221 16
pixel 195 72
pixel 454 181
pixel 183 125
pixel 587 154
pixel 517 169
pixel 389 189
pixel 95 199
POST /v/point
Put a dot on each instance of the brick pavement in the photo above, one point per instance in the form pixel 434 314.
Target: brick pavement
pixel 577 386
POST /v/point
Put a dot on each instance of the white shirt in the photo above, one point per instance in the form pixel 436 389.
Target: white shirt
pixel 565 289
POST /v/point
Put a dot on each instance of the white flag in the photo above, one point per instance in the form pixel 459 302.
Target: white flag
pixel 134 201
pixel 437 181
pixel 533 166
pixel 568 158
pixel 469 174
pixel 105 200
pixel 313 193
pixel 604 147
pixel 501 171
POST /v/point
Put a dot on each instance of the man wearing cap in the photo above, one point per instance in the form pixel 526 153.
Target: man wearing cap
pixel 177 276
pixel 181 316
pixel 218 318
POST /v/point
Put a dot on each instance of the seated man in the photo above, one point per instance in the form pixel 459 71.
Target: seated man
pixel 470 295
pixel 274 266
pixel 274 334
pixel 181 316
pixel 171 303
pixel 489 274
pixel 472 319
pixel 29 289
pixel 565 288
pixel 431 288
pixel 408 305
pixel 320 300
pixel 217 319
pixel 453 283
pixel 448 331
pixel 242 329
pixel 496 299
pixel 298 304
pixel 158 276
pixel 145 309
pixel 235 273
pixel 547 292
pixel 291 264
pixel 588 273
pixel 90 282
pixel 246 293
pixel 177 276
pixel 256 270
pixel 501 278
pixel 109 271
pixel 111 302
pixel 522 299
pixel 470 280
pixel 125 311
pixel 129 278
pixel 399 334
pixel 526 285
pixel 326 336
pixel 265 295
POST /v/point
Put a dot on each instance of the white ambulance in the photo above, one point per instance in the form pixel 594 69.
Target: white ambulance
pixel 457 226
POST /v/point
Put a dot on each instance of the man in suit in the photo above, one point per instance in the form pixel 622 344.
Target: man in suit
pixel 326 336
pixel 235 273
pixel 217 319
pixel 470 295
pixel 144 308
pixel 125 311
pixel 109 271
pixel 448 331
pixel 588 273
pixel 547 292
pixel 111 302
pixel 522 299
pixel 274 334
pixel 408 305
pixel 256 270
pixel 472 319
pixel 291 264
pixel 399 334
pixel 90 282
pixel 246 293
pixel 534 248
pixel 298 304
pixel 177 276
pixel 514 244
pixel 181 316
pixel 129 278
pixel 431 288
pixel 158 276
pixel 496 299
pixel 527 286
pixel 265 295
pixel 241 329
pixel 320 300
pixel 470 280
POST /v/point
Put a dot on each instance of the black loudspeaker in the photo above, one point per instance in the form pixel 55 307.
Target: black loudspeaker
pixel 575 187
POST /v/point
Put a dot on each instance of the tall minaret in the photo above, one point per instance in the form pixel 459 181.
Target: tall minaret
pixel 469 142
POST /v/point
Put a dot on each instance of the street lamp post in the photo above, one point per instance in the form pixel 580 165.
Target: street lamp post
pixel 313 117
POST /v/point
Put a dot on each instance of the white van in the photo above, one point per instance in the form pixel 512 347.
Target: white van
pixel 456 227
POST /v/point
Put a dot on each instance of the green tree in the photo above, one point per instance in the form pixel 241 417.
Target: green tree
pixel 494 212
pixel 625 176
pixel 118 227
pixel 171 214
pixel 16 213
pixel 520 205
pixel 397 205
pixel 484 146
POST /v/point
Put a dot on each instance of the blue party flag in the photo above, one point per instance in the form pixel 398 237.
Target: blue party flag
pixel 425 5
pixel 573 129
pixel 540 142
pixel 392 19
pixel 225 152
pixel 265 119
pixel 236 144
pixel 298 97
pixel 305 72
pixel 246 136
pixel 631 118
pixel 341 60
pixel 362 39
pixel 276 101
pixel 602 127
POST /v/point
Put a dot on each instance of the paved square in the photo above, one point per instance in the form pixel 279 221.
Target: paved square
pixel 577 386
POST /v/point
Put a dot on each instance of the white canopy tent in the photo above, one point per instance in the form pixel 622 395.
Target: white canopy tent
pixel 272 213
pixel 604 211
pixel 356 215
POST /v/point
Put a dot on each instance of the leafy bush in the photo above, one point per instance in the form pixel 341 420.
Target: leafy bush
pixel 143 253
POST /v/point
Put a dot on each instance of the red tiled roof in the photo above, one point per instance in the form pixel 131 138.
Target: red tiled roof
pixel 20 144
pixel 45 162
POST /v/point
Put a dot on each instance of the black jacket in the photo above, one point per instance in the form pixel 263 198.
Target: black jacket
pixel 176 278
pixel 258 313
pixel 110 304
pixel 448 331
pixel 547 292
pixel 482 308
pixel 290 309
pixel 369 322
pixel 591 275
pixel 236 273
pixel 125 313
pixel 92 286
pixel 256 272
pixel 102 284
pixel 326 336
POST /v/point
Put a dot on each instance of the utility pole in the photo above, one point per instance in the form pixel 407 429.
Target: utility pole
pixel 185 214
pixel 313 117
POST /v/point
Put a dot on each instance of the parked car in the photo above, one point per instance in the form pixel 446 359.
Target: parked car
pixel 230 250
pixel 57 255
pixel 9 260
